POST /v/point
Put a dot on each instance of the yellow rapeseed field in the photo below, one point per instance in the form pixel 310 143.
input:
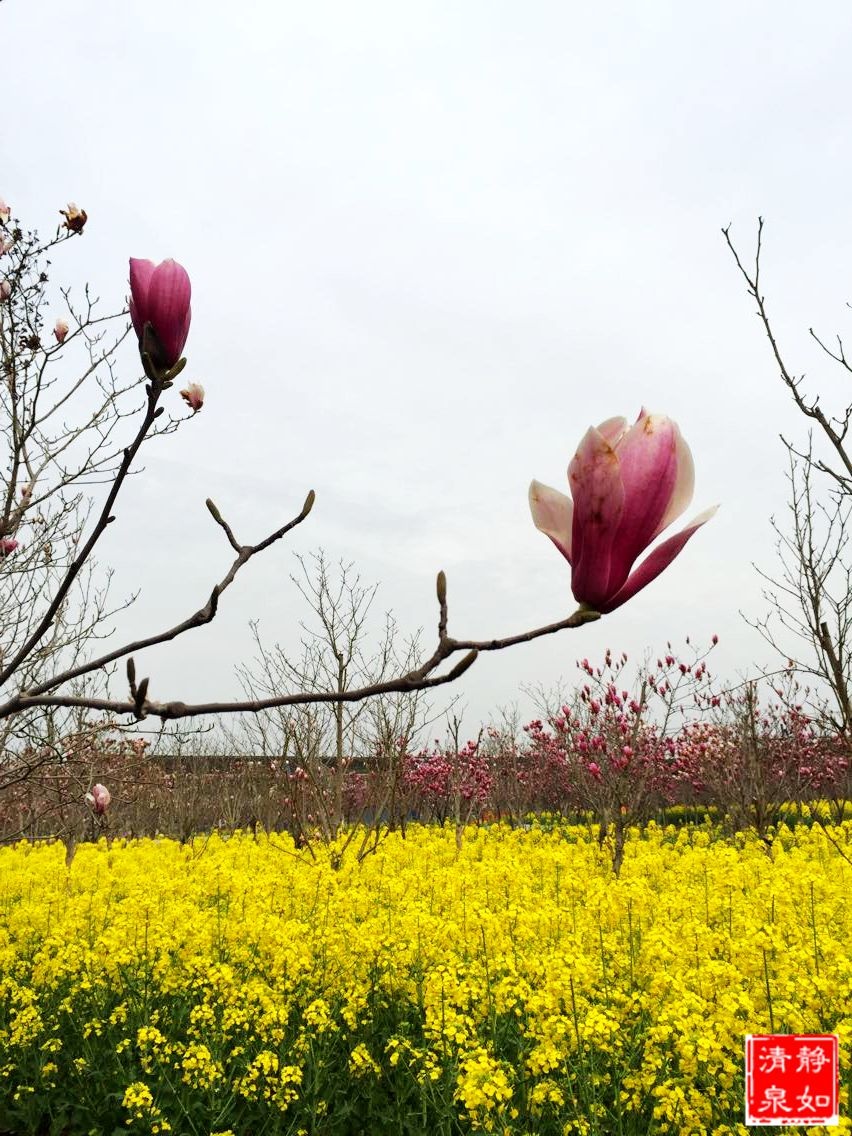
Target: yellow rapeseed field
pixel 239 986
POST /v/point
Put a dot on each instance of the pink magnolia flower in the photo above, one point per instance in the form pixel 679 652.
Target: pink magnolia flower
pixel 6 243
pixel 75 218
pixel 5 289
pixel 99 799
pixel 5 212
pixel 7 546
pixel 60 330
pixel 193 396
pixel 160 295
pixel 628 483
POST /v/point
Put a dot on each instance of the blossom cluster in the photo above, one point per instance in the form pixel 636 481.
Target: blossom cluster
pixel 440 777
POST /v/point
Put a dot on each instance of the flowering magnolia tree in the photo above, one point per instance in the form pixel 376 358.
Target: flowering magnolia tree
pixel 63 416
pixel 448 782
pixel 627 484
pixel 613 752
pixel 451 780
pixel 751 758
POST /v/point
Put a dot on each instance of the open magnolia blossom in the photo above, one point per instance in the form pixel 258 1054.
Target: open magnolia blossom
pixel 160 295
pixel 628 483
pixel 99 798
pixel 5 212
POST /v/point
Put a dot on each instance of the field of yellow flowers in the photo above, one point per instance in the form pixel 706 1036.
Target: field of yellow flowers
pixel 236 985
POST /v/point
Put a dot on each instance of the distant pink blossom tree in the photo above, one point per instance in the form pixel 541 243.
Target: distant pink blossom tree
pixel 613 751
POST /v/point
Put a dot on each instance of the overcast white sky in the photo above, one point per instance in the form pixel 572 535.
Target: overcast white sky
pixel 430 244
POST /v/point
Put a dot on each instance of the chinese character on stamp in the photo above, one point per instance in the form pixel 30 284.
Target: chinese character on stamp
pixel 791 1079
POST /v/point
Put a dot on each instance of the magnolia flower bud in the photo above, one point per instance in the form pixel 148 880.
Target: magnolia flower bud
pixel 5 212
pixel 75 218
pixel 5 289
pixel 99 799
pixel 60 330
pixel 193 396
pixel 159 296
pixel 7 545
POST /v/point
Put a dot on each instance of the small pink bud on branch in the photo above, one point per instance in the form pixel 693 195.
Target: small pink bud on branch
pixel 60 330
pixel 193 396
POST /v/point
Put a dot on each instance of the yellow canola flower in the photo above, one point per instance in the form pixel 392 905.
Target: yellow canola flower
pixel 512 975
pixel 361 1062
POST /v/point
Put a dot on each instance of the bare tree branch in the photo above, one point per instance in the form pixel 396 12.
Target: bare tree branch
pixel 809 409
pixel 199 618
pixel 811 597
pixel 420 679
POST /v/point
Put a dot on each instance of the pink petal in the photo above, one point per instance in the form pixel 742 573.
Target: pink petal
pixel 168 307
pixel 552 514
pixel 141 272
pixel 657 561
pixel 596 486
pixel 614 430
pixel 647 457
pixel 184 333
pixel 684 485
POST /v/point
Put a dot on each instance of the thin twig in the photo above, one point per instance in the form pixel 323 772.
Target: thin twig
pixel 810 410
pixel 203 616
